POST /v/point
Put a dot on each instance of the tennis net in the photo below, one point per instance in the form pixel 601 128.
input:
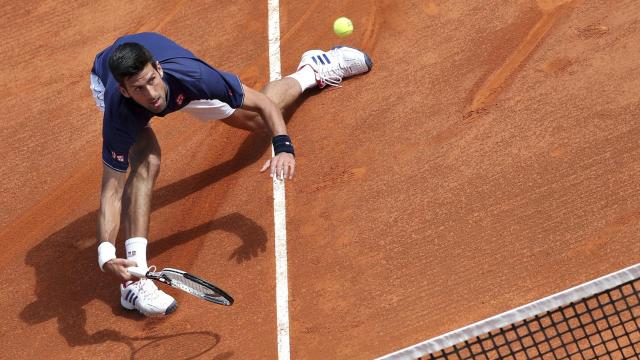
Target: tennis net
pixel 599 319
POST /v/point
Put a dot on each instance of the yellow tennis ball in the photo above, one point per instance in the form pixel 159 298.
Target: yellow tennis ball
pixel 343 27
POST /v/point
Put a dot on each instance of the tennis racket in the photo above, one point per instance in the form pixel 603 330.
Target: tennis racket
pixel 186 282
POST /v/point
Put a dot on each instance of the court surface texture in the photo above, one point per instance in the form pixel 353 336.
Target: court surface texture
pixel 489 159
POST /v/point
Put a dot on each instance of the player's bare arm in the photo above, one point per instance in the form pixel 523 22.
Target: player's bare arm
pixel 283 164
pixel 109 222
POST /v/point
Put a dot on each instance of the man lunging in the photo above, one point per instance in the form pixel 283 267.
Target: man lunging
pixel 145 75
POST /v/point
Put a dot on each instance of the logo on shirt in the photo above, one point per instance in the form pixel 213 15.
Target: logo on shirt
pixel 180 99
pixel 117 157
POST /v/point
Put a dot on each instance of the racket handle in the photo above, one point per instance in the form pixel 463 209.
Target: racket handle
pixel 137 272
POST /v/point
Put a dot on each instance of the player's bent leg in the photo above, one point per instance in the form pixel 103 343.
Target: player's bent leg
pixel 316 68
pixel 283 92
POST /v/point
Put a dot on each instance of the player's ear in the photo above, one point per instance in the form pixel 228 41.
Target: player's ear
pixel 123 91
pixel 159 68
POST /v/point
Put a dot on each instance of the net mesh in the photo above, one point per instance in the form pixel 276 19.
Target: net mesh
pixel 605 325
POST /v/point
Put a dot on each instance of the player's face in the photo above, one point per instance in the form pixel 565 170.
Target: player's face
pixel 147 89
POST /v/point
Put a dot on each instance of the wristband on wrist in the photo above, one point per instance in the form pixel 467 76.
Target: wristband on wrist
pixel 106 252
pixel 282 143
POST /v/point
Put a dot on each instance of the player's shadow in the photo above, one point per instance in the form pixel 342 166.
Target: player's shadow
pixel 65 263
pixel 67 276
pixel 253 236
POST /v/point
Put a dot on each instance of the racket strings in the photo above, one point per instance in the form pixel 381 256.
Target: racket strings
pixel 189 285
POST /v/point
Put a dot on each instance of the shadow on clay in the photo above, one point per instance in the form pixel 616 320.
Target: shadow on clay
pixel 67 277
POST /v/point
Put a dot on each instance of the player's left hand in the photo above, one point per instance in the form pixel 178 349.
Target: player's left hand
pixel 282 166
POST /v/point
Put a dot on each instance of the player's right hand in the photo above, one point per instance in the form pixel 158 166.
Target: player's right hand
pixel 282 166
pixel 118 268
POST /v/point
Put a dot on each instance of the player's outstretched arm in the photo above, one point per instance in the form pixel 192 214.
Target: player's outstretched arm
pixel 109 223
pixel 283 164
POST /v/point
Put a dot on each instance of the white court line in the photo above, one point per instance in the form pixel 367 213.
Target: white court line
pixel 274 40
pixel 279 209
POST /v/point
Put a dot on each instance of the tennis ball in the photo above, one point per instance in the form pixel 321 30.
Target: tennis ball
pixel 343 27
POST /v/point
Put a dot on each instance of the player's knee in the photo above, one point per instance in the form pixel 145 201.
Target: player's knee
pixel 273 91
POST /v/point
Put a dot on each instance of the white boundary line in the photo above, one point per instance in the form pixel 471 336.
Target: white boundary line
pixel 274 40
pixel 279 208
pixel 543 305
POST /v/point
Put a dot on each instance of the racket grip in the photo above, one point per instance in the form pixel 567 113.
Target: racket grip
pixel 137 272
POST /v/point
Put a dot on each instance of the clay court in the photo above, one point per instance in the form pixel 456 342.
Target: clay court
pixel 489 159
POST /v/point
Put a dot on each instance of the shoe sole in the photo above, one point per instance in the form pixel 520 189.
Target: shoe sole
pixel 367 59
pixel 171 308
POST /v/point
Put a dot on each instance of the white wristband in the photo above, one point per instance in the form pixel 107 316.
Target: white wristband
pixel 106 252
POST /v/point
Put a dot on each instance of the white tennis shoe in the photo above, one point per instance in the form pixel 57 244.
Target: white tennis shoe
pixel 336 64
pixel 144 296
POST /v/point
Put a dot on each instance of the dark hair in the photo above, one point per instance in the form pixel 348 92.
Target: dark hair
pixel 129 59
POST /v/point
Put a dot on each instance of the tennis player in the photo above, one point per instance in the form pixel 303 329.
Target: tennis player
pixel 145 75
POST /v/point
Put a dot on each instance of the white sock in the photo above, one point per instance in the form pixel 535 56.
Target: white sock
pixel 306 77
pixel 137 251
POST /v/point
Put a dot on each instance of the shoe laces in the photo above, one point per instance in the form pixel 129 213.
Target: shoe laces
pixel 331 75
pixel 147 289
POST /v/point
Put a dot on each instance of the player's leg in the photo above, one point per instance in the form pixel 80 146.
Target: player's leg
pixel 317 68
pixel 144 158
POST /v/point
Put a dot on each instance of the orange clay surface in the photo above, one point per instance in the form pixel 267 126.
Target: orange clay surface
pixel 489 159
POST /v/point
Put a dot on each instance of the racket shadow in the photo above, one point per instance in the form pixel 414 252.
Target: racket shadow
pixel 178 346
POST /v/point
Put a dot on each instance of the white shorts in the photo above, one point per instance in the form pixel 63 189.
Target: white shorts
pixel 202 109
